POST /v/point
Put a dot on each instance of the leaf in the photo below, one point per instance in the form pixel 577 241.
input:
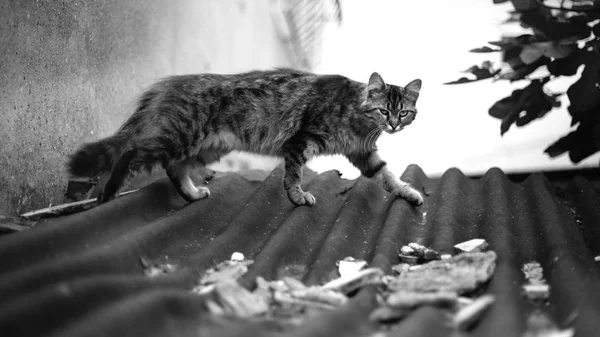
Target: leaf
pixel 523 106
pixel 530 54
pixel 585 94
pixel 513 16
pixel 484 49
pixel 566 66
pixel 581 143
pixel 462 80
pixel 550 29
pixel 562 145
pixel 554 49
pixel 523 70
pixel 505 43
pixel 501 108
pixel 482 72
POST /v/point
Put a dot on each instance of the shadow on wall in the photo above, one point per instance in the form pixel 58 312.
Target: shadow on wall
pixel 70 71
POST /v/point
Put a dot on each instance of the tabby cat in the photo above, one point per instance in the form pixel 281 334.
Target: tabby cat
pixel 186 122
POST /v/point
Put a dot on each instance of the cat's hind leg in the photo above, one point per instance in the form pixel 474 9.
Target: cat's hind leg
pixel 179 173
pixel 118 175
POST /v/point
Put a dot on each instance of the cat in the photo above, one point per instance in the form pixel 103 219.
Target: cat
pixel 186 122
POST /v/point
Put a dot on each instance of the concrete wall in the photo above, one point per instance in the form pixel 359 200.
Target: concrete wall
pixel 70 70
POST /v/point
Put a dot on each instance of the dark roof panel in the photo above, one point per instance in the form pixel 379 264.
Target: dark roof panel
pixel 83 274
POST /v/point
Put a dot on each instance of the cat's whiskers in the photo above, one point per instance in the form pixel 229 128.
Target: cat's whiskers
pixel 370 139
pixel 365 141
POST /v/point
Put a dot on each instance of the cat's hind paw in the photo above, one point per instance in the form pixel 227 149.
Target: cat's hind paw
pixel 196 193
pixel 202 193
pixel 298 197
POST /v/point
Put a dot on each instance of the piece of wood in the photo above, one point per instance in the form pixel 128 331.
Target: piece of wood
pixel 64 209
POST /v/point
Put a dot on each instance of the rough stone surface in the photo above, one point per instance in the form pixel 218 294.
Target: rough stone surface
pixel 70 71
pixel 461 273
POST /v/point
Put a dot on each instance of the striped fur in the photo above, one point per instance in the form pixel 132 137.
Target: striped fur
pixel 186 122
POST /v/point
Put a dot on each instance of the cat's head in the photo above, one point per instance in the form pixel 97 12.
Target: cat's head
pixel 390 106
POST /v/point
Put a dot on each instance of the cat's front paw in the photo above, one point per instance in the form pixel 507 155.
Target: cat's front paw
pixel 299 197
pixel 414 197
pixel 409 194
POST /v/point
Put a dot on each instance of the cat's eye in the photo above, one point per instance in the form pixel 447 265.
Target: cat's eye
pixel 384 112
pixel 404 113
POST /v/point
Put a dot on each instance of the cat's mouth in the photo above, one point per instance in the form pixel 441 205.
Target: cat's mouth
pixel 391 130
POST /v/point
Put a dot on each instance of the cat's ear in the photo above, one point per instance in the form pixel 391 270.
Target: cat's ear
pixel 415 87
pixel 376 82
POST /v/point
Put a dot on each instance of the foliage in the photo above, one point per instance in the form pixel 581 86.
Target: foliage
pixel 564 36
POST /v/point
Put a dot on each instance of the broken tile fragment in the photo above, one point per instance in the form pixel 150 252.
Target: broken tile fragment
pixel 386 313
pixel 415 253
pixel 408 259
pixel 423 252
pixel 318 294
pixel 536 289
pixel 461 273
pixel 227 270
pixel 472 246
pixel 369 276
pixel 284 299
pixel 411 299
pixel 237 256
pixel 533 272
pixel 472 313
pixel 350 265
pixel 153 269
pixel 401 268
pixel 293 284
pixel 539 324
pixel 406 250
pixel 536 292
pixel 233 299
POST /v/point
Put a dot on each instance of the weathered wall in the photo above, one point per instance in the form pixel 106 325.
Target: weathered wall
pixel 69 72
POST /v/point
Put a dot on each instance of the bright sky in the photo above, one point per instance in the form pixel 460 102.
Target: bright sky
pixel 408 39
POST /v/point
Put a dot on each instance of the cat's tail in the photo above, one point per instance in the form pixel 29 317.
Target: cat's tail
pixel 93 159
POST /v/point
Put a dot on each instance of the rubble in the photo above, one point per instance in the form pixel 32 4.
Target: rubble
pixel 471 246
pixel 345 285
pixel 227 270
pixel 229 298
pixel 461 273
pixel 472 312
pixel 536 289
pixel 539 324
pixel 349 266
pixel 414 253
pixel 153 269
pixel 237 256
pixel 411 299
pixel 437 282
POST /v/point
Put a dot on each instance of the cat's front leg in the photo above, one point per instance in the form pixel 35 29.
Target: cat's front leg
pixel 398 187
pixel 294 160
pixel 372 166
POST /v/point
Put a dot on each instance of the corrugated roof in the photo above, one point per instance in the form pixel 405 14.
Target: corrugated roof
pixel 83 274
